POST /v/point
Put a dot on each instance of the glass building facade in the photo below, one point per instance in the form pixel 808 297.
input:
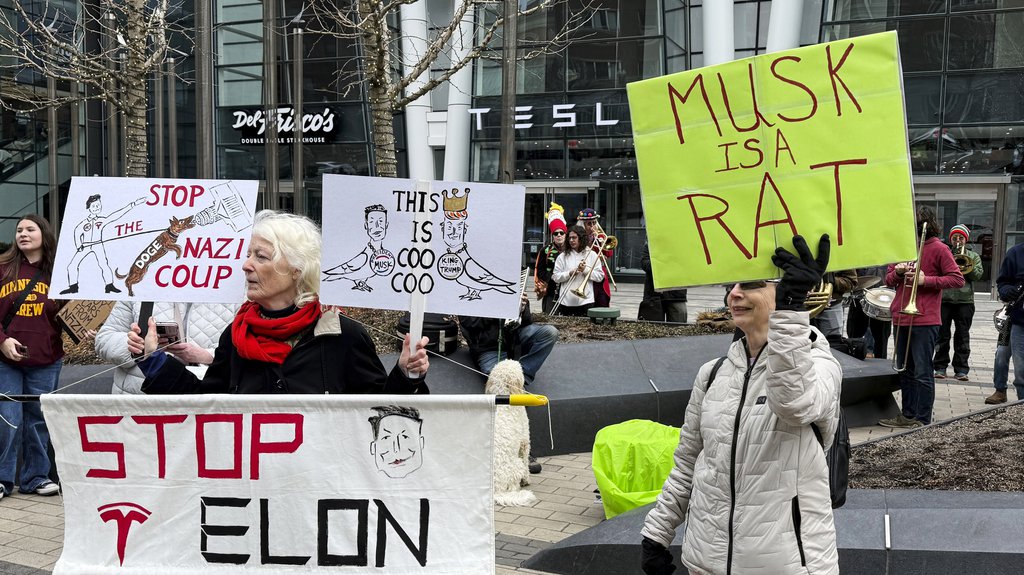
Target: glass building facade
pixel 963 80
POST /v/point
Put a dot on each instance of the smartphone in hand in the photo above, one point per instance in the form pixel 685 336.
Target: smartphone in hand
pixel 22 350
pixel 167 333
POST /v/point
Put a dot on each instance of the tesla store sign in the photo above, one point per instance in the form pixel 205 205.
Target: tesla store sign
pixel 562 116
pixel 317 128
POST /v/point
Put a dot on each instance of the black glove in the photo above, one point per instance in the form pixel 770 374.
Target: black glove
pixel 655 559
pixel 799 274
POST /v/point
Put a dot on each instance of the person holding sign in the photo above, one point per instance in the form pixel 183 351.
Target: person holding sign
pixel 576 291
pixel 916 317
pixel 750 476
pixel 31 350
pixel 281 340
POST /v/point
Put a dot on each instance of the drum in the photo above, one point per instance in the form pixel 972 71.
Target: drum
pixel 876 303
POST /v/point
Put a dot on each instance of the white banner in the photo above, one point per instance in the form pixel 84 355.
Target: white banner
pixel 459 243
pixel 158 239
pixel 275 484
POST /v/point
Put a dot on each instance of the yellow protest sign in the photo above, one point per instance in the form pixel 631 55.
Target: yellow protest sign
pixel 737 158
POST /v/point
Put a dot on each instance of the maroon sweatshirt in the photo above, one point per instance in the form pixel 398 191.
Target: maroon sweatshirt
pixel 35 322
pixel 940 271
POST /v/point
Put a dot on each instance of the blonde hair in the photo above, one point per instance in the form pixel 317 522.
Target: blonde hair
pixel 296 240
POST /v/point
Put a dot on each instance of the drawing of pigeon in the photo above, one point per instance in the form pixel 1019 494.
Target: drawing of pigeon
pixel 476 278
pixel 356 270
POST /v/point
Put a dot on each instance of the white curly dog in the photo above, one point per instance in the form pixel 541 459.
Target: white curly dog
pixel 511 438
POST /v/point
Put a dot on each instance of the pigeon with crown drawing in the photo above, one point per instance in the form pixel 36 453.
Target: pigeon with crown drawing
pixel 457 263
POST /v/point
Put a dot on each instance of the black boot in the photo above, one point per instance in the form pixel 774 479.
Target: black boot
pixel 534 465
pixel 73 288
pixel 111 289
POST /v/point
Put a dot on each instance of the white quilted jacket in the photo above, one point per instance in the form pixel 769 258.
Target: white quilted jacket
pixel 750 476
pixel 200 323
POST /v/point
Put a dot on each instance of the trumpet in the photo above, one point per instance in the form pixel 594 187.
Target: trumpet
pixel 818 298
pixel 911 307
pixel 963 261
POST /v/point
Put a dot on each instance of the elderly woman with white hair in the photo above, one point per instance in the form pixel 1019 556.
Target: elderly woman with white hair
pixel 282 340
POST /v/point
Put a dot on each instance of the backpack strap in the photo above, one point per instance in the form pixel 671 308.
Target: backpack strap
pixel 714 372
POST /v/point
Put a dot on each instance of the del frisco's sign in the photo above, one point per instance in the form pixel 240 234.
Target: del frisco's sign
pixel 317 128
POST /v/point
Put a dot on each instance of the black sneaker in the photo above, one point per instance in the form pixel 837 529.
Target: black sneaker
pixel 534 466
pixel 47 488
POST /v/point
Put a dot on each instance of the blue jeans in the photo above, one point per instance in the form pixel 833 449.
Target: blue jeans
pixel 537 341
pixel 917 380
pixel 1017 350
pixel 27 419
pixel 1001 370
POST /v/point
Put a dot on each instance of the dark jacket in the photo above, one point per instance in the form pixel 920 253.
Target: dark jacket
pixel 668 295
pixel 34 324
pixel 482 333
pixel 1011 275
pixel 336 356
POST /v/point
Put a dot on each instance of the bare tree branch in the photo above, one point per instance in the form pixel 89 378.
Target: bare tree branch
pixel 133 45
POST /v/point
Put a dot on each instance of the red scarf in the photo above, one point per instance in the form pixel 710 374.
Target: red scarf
pixel 262 339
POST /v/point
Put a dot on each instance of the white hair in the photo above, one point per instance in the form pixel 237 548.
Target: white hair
pixel 296 240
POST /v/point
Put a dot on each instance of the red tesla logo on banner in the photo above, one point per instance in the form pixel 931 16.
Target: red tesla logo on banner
pixel 123 514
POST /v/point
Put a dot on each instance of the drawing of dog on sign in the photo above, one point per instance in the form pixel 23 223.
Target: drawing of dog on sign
pixel 166 241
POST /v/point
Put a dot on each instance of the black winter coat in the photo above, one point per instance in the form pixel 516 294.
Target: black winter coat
pixel 336 356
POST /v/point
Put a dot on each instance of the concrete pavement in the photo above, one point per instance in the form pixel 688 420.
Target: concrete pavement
pixel 32 526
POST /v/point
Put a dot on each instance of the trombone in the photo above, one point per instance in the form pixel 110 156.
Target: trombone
pixel 605 242
pixel 911 307
pixel 584 269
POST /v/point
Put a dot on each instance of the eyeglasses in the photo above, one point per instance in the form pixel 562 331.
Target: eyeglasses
pixel 747 286
pixel 559 233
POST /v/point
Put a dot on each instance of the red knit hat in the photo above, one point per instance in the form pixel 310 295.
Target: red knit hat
pixel 556 221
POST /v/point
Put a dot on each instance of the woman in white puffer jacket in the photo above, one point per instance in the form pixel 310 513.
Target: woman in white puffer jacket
pixel 201 327
pixel 750 476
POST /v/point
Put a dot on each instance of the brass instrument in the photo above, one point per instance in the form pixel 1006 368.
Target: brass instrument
pixel 607 243
pixel 911 307
pixel 963 261
pixel 580 291
pixel 818 298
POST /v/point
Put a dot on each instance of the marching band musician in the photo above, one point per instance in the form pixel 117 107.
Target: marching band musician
pixel 916 333
pixel 958 310
pixel 545 287
pixel 570 272
pixel 602 291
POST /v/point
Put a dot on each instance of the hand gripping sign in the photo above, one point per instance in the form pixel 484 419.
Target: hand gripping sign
pixel 154 239
pixel 737 158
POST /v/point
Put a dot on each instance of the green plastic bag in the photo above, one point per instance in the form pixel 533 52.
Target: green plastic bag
pixel 631 461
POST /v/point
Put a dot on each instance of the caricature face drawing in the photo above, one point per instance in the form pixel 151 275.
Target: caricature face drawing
pixel 397 447
pixel 454 232
pixel 96 207
pixel 376 225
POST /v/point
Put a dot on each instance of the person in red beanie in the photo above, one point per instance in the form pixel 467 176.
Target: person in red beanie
pixel 543 286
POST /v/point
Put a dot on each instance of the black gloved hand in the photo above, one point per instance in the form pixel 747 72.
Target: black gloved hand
pixel 655 559
pixel 799 274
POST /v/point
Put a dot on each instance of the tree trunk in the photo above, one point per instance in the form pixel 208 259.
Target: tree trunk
pixel 383 126
pixel 135 104
pixel 376 39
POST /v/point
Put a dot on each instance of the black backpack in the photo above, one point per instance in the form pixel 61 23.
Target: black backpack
pixel 837 456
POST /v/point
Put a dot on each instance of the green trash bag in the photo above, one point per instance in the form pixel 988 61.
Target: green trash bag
pixel 631 461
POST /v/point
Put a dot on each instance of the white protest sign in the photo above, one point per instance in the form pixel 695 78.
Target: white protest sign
pixel 465 254
pixel 160 239
pixel 274 484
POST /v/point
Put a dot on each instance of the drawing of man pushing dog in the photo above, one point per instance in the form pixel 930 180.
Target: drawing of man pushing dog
pixel 88 237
